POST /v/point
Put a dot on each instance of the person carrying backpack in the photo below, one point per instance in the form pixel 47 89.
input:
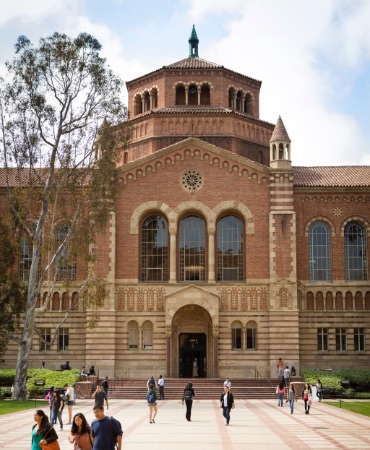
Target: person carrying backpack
pixel 106 432
pixel 188 399
pixel 151 397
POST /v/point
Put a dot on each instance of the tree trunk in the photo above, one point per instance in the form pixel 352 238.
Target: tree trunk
pixel 20 391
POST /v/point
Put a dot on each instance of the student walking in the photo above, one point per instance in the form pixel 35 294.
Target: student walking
pixel 280 390
pixel 307 398
pixel 105 386
pixel 291 397
pixel 100 396
pixel 226 403
pixel 42 431
pixel 188 399
pixel 319 390
pixel 57 409
pixel 80 433
pixel 105 431
pixel 151 397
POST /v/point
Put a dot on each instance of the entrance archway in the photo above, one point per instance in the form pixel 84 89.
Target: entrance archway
pixel 192 350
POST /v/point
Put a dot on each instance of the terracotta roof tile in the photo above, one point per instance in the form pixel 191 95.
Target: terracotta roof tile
pixel 332 176
pixel 193 63
pixel 280 133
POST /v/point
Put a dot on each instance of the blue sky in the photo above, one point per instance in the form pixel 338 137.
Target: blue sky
pixel 312 56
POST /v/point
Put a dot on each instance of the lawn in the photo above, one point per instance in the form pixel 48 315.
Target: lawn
pixel 357 407
pixel 10 406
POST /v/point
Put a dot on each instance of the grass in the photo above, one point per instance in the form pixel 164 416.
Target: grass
pixel 357 407
pixel 11 406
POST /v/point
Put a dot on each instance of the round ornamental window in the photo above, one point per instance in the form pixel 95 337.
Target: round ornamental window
pixel 192 180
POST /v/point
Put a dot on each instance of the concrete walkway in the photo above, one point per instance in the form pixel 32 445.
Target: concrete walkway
pixel 254 425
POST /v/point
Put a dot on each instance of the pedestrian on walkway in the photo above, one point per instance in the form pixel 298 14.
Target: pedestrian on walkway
pixel 42 431
pixel 149 382
pixel 286 376
pixel 307 398
pixel 57 409
pixel 188 399
pixel 161 387
pixel 105 386
pixel 80 433
pixel 227 383
pixel 105 430
pixel 70 399
pixel 226 403
pixel 280 390
pixel 100 396
pixel 151 397
pixel 49 399
pixel 291 397
pixel 319 390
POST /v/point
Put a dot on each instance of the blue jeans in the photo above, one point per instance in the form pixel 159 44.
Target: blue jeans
pixel 226 413
pixel 291 402
pixel 281 399
pixel 56 415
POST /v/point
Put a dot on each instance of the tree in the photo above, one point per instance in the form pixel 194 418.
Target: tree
pixel 58 109
pixel 11 289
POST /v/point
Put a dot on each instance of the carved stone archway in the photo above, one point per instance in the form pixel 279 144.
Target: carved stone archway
pixel 192 310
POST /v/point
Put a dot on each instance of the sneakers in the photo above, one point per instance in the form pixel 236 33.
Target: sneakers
pixel 150 422
pixel 61 429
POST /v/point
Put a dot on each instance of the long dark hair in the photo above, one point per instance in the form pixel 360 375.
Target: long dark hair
pixel 85 427
pixel 44 424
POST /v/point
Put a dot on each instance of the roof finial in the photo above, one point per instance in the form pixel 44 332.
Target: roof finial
pixel 193 44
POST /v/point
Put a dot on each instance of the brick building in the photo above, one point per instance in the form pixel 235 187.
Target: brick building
pixel 221 256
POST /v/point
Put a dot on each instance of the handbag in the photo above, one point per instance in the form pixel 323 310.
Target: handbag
pixel 51 445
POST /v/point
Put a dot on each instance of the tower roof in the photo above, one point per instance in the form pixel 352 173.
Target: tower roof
pixel 280 133
pixel 193 44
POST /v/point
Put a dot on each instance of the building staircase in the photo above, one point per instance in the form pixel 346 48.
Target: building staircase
pixel 205 388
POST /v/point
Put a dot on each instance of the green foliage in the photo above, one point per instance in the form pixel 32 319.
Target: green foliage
pixel 357 407
pixel 359 380
pixel 7 407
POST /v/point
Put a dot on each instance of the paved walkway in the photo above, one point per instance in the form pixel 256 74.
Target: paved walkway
pixel 254 424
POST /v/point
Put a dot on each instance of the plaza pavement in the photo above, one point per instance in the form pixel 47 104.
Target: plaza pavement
pixel 255 425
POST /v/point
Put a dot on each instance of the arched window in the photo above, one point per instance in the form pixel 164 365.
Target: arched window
pixel 355 252
pixel 319 238
pixel 154 249
pixel 180 95
pixel 232 96
pixel 138 105
pixel 205 95
pixel 133 335
pixel 251 336
pixel 193 95
pixel 192 249
pixel 147 335
pixel 230 249
pixel 65 264
pixel 248 104
pixel 236 336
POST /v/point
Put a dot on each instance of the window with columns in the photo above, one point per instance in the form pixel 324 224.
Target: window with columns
pixel 193 94
pixel 251 335
pixel 65 263
pixel 319 241
pixel 230 249
pixel 355 248
pixel 192 249
pixel 154 249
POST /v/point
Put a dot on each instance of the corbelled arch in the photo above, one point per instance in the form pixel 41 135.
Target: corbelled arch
pixel 144 209
pixel 321 219
pixel 355 219
pixel 244 211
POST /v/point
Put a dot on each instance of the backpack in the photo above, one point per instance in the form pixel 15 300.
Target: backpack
pixel 113 433
pixel 151 396
pixel 188 394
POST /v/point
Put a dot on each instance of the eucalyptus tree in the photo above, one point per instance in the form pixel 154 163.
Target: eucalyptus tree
pixel 59 106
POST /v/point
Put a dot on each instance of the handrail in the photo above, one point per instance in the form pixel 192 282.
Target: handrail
pixel 258 376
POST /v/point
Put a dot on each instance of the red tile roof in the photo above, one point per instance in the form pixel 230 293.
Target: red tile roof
pixel 332 176
pixel 280 133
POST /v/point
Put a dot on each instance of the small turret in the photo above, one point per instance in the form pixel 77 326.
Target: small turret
pixel 280 151
pixel 193 44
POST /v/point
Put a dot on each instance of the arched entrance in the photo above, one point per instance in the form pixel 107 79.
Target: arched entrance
pixel 192 337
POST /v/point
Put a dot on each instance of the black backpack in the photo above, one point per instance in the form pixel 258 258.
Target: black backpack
pixel 188 394
pixel 113 433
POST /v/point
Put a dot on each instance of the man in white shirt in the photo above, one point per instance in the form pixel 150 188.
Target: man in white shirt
pixel 161 387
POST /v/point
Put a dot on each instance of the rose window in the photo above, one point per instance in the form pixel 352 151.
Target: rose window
pixel 192 180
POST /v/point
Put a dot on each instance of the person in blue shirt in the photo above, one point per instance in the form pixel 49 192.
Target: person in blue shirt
pixel 105 430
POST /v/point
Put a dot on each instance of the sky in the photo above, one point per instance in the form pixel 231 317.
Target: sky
pixel 312 56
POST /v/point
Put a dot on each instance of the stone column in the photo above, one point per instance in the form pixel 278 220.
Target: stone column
pixel 215 353
pixel 199 89
pixel 211 253
pixel 173 254
pixel 186 95
pixel 168 351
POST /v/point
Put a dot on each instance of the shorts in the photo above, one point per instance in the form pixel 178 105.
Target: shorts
pixel 152 404
pixel 70 403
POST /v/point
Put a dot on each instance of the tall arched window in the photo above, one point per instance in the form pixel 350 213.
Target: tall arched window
pixel 251 336
pixel 133 335
pixel 355 252
pixel 236 336
pixel 65 263
pixel 147 335
pixel 230 249
pixel 25 259
pixel 319 238
pixel 154 249
pixel 192 249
